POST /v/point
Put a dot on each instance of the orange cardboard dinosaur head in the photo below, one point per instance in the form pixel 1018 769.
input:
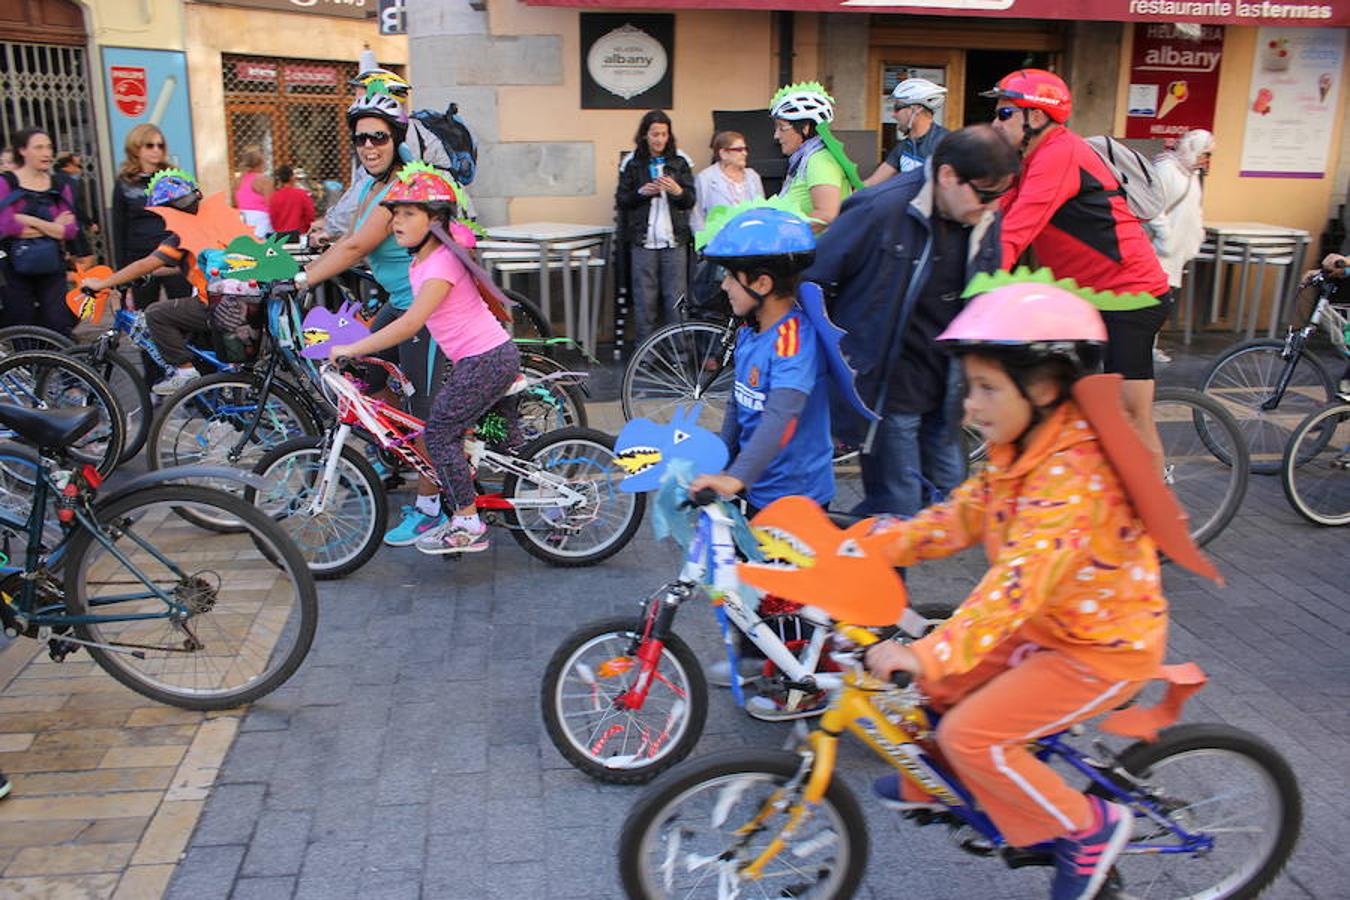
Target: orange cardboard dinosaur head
pixel 809 559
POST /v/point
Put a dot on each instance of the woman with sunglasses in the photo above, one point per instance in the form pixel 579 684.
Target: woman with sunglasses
pixel 136 232
pixel 728 181
pixel 379 124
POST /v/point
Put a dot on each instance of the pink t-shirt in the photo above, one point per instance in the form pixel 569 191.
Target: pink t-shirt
pixel 462 325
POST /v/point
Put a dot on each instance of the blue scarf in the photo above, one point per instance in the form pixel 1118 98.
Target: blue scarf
pixel 802 153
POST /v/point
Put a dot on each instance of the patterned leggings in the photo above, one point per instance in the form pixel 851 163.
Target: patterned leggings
pixel 475 385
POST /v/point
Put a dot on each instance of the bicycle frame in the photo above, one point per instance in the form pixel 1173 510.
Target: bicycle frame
pixel 1324 316
pixel 132 324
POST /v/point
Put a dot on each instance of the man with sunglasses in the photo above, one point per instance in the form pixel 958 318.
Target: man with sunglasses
pixel 1069 209
pixel 894 264
pixel 914 102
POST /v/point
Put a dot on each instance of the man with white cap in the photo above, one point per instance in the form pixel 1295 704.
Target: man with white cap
pixel 913 103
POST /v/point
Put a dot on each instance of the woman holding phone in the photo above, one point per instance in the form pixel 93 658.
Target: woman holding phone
pixel 656 192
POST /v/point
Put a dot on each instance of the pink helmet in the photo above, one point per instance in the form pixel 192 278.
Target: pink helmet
pixel 1041 319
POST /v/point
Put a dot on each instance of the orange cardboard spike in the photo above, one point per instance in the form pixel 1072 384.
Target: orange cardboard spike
pixel 1099 398
pixel 1144 722
pixel 212 226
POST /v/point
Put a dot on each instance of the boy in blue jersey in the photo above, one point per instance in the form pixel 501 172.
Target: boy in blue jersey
pixel 777 427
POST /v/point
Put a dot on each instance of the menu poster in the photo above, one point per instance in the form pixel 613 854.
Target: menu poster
pixel 1174 80
pixel 1292 103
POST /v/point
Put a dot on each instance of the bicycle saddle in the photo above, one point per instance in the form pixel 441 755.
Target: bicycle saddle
pixel 49 429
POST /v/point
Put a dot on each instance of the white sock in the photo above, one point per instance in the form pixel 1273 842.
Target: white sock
pixel 429 504
pixel 471 524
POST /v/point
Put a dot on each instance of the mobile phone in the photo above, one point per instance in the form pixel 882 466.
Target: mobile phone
pixel 656 168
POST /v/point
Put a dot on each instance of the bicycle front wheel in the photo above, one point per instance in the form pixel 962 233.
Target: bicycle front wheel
pixel 698 827
pixel 19 338
pixel 679 365
pixel 245 606
pixel 1315 470
pixel 1244 378
pixel 561 529
pixel 340 538
pixel 1204 458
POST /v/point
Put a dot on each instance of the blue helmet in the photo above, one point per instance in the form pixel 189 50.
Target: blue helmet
pixel 172 187
pixel 764 232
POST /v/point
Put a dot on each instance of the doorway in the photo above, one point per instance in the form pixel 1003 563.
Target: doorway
pixel 983 70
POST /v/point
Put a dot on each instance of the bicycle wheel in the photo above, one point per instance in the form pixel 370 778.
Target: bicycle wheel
pixel 126 383
pixel 18 478
pixel 1315 471
pixel 247 625
pixel 1244 377
pixel 1219 782
pixel 678 365
pixel 345 535
pixel 697 827
pixel 203 422
pixel 594 730
pixel 46 379
pixel 593 528
pixel 18 338
pixel 527 319
pixel 550 404
pixel 1208 484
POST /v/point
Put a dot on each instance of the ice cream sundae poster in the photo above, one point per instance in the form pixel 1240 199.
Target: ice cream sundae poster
pixel 1293 102
pixel 1174 80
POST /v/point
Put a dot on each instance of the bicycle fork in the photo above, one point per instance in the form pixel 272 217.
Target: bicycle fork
pixel 332 456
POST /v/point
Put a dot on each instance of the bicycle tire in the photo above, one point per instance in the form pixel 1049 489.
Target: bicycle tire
pixel 370 520
pixel 18 338
pixel 162 446
pixel 1143 761
pixel 19 467
pixel 838 809
pixel 543 533
pixel 129 387
pixel 1304 457
pixel 667 371
pixel 527 319
pixel 1212 424
pixel 102 446
pixel 568 400
pixel 1244 375
pixel 624 630
pixel 262 532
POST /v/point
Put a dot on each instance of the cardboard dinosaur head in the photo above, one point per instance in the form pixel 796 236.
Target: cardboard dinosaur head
pixel 323 328
pixel 645 449
pixel 88 307
pixel 249 259
pixel 810 560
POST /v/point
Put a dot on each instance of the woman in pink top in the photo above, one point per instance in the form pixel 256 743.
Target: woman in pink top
pixel 250 197
pixel 484 360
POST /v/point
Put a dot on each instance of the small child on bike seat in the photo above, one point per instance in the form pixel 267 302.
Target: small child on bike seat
pixel 777 427
pixel 171 320
pixel 1070 620
pixel 468 329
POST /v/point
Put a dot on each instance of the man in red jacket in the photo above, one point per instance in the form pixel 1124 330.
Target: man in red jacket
pixel 1068 208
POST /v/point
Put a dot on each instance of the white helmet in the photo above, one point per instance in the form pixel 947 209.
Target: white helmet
pixel 920 92
pixel 806 101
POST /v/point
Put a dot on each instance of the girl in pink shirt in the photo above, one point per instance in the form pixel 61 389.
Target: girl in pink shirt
pixel 469 331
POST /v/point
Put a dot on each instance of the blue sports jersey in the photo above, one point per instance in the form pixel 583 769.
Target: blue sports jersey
pixel 787 356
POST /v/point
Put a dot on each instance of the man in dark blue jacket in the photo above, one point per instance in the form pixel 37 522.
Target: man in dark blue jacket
pixel 895 262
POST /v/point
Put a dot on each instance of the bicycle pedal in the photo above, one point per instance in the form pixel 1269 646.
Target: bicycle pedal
pixel 58 649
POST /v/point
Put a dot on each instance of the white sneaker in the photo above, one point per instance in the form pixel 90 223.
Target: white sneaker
pixel 773 707
pixel 1160 357
pixel 180 379
pixel 1343 390
pixel 719 673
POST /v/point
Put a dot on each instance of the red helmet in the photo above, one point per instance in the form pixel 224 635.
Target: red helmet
pixel 1036 89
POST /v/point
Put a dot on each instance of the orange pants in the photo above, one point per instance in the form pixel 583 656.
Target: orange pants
pixel 1018 693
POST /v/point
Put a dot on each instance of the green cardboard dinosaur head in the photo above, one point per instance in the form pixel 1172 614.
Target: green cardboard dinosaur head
pixel 250 259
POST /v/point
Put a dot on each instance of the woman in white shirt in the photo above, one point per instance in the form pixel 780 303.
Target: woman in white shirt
pixel 1179 230
pixel 728 181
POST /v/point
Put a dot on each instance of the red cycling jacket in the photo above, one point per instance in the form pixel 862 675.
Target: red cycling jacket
pixel 1067 206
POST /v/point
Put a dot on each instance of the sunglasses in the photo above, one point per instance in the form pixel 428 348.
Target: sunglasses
pixel 1004 113
pixel 987 196
pixel 899 106
pixel 373 138
pixel 736 149
pixel 158 145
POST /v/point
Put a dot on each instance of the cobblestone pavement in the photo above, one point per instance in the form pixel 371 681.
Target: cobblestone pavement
pixel 407 758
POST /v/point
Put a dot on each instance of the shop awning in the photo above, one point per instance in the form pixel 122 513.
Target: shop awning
pixel 1207 12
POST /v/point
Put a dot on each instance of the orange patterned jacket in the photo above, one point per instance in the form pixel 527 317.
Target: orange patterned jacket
pixel 1071 567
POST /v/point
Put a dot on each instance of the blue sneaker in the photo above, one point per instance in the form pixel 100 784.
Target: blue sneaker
pixel 1083 860
pixel 414 525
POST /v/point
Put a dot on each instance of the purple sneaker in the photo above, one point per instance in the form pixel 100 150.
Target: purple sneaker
pixel 1083 860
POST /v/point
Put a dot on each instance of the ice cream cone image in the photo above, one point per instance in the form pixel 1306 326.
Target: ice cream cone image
pixel 1323 87
pixel 1177 92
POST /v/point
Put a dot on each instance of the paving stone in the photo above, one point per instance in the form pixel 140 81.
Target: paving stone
pixel 206 873
pixel 278 844
pixel 264 889
pixel 230 815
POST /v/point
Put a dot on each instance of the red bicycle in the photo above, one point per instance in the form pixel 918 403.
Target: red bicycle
pixel 559 495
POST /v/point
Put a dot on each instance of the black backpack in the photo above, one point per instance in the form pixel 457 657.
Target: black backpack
pixel 455 137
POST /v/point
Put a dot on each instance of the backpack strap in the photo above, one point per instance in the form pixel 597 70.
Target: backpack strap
pixel 15 190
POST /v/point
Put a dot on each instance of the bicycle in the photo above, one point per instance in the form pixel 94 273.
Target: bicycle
pixel 1205 458
pixel 778 824
pixel 50 379
pixel 1315 468
pixel 559 496
pixel 624 700
pixel 197 626
pixel 1271 384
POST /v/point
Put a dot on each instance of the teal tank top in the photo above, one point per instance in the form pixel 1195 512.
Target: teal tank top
pixel 388 262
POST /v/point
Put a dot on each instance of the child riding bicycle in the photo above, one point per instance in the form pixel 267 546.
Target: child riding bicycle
pixel 468 329
pixel 1069 621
